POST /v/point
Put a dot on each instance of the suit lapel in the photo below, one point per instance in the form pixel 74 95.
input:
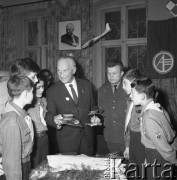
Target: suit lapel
pixel 66 94
pixel 80 96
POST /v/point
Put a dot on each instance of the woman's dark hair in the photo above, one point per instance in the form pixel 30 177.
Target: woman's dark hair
pixel 47 77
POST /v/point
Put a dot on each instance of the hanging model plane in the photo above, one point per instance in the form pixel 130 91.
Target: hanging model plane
pixel 95 39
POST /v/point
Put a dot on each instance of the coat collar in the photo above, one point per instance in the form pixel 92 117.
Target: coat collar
pixel 20 111
pixel 145 106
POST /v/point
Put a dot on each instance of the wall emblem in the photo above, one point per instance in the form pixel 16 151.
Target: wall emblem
pixel 163 62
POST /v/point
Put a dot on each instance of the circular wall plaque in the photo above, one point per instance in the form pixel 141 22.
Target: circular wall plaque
pixel 163 62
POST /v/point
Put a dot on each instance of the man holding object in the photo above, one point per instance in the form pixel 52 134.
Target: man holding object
pixel 71 95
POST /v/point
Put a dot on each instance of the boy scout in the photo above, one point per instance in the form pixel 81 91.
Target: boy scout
pixel 157 134
pixel 16 130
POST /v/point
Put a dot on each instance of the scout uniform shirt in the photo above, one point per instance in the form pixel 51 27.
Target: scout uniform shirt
pixel 157 132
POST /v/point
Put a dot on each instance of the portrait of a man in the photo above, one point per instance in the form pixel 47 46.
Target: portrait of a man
pixel 69 38
pixel 70 35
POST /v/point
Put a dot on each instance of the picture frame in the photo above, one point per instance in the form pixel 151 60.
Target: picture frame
pixel 69 35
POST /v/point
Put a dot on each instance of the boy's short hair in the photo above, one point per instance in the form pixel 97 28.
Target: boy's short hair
pixel 24 66
pixel 17 84
pixel 132 74
pixel 144 85
pixel 113 63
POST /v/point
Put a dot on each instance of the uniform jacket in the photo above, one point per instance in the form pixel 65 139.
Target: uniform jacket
pixel 15 141
pixel 59 101
pixel 157 132
pixel 114 107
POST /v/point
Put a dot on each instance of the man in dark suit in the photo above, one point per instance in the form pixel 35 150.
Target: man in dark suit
pixel 69 38
pixel 62 100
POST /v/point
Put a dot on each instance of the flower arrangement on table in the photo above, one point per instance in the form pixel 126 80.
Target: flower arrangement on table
pixel 60 167
pixel 44 172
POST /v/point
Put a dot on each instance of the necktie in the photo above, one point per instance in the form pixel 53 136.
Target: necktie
pixel 115 88
pixel 75 98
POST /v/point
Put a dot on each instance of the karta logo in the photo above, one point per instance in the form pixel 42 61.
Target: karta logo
pixel 114 169
pixel 172 7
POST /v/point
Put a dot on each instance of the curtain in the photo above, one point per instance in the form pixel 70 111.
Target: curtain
pixel 162 37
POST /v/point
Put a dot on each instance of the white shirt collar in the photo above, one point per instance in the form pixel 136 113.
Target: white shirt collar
pixel 73 82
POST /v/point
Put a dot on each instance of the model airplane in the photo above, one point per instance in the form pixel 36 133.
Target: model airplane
pixel 92 41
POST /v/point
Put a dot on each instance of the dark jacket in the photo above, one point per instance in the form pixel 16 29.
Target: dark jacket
pixel 114 107
pixel 67 39
pixel 59 101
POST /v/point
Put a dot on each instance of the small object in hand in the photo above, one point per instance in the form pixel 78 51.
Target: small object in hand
pixel 67 117
pixel 93 124
pixel 95 121
pixel 76 121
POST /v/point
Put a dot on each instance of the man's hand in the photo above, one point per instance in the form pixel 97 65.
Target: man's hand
pixel 58 121
pixel 95 120
pixel 126 153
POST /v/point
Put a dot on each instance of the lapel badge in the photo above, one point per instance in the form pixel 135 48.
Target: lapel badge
pixel 158 135
pixel 67 98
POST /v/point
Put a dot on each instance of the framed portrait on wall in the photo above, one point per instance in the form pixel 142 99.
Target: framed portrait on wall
pixel 69 35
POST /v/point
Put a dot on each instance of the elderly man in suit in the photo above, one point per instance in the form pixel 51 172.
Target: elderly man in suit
pixel 71 95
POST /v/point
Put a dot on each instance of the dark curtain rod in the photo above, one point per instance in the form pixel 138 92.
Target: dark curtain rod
pixel 40 1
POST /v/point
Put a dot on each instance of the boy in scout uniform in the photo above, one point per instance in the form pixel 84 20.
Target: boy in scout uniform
pixel 157 134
